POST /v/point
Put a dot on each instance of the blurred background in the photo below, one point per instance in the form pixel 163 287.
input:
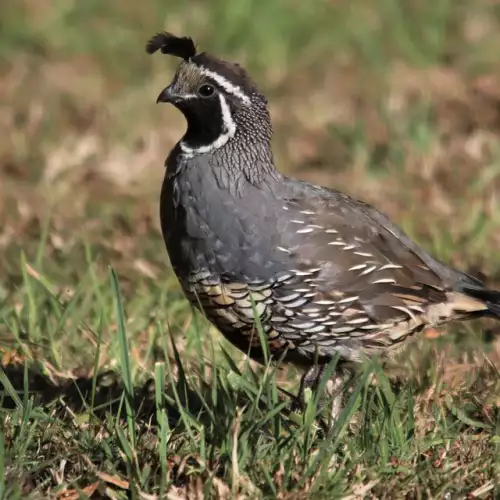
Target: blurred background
pixel 394 102
pixel 397 103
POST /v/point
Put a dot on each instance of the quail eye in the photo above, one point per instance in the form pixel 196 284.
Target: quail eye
pixel 206 90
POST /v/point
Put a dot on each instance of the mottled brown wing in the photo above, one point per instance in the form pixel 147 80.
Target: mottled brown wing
pixel 355 285
pixel 346 284
pixel 346 288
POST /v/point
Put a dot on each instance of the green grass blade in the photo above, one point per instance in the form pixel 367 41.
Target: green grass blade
pixel 124 351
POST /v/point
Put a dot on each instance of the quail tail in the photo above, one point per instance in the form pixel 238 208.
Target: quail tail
pixel 491 299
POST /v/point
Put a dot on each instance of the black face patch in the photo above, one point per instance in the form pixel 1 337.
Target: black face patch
pixel 210 104
pixel 205 121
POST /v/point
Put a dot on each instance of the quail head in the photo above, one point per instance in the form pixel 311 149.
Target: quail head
pixel 326 275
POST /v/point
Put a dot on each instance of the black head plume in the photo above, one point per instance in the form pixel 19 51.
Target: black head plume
pixel 173 45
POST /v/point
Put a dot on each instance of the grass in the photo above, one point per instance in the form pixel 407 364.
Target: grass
pixel 112 386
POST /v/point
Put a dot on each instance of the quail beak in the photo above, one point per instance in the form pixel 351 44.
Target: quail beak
pixel 166 95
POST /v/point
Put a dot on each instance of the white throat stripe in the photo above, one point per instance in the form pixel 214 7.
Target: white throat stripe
pixel 226 85
pixel 228 131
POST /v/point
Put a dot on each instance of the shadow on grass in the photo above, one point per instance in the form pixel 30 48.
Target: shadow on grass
pixel 105 395
pixel 74 394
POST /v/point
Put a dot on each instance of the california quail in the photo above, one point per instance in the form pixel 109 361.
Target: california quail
pixel 326 274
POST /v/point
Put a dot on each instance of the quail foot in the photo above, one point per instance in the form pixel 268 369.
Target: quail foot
pixel 326 274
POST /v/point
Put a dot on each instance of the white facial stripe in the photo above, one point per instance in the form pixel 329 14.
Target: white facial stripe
pixel 186 96
pixel 228 131
pixel 229 124
pixel 226 85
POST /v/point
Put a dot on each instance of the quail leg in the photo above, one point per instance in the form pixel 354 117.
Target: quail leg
pixel 334 388
pixel 309 380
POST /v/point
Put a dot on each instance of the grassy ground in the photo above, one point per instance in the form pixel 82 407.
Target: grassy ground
pixel 112 387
